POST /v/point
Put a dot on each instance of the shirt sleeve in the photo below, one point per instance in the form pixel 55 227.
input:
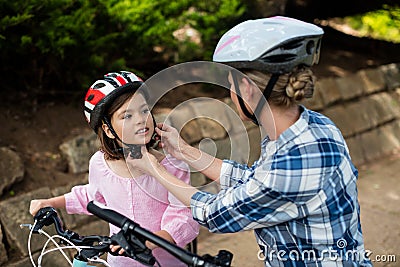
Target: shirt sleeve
pixel 233 173
pixel 80 195
pixel 288 187
pixel 177 219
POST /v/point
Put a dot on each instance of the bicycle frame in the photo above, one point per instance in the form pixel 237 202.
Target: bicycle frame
pixel 78 263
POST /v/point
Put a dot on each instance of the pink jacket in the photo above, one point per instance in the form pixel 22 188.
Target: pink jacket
pixel 142 199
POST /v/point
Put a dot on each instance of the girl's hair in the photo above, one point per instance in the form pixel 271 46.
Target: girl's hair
pixel 110 146
pixel 290 88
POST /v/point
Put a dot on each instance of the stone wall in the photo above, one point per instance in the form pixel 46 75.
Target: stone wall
pixel 365 106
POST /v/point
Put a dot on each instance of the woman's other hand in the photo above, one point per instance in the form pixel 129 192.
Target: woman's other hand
pixel 171 140
pixel 148 163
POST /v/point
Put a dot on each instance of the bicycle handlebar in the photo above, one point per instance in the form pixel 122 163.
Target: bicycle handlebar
pixel 122 222
pixel 108 215
pixel 47 216
pixel 223 258
pixel 89 247
pixel 132 238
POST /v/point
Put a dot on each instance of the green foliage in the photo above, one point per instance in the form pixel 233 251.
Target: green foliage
pixel 63 44
pixel 383 24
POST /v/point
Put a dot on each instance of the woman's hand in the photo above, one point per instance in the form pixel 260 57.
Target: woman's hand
pixel 178 148
pixel 148 163
pixel 171 140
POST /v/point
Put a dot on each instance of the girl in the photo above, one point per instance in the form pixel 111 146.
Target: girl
pixel 117 111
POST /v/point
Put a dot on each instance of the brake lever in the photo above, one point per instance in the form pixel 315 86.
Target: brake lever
pixel 223 258
pixel 120 240
pixel 88 253
pixel 48 215
pixel 134 248
pixel 45 217
pixel 90 240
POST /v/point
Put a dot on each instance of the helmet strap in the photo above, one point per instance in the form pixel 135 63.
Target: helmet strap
pixel 267 93
pixel 246 112
pixel 108 123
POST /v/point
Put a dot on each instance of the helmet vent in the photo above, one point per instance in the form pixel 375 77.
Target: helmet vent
pixel 310 47
pixel 114 83
pixel 292 45
pixel 279 58
pixel 99 85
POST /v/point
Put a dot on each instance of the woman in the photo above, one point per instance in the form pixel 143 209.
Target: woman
pixel 300 196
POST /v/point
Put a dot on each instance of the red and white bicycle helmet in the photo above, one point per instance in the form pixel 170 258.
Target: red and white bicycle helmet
pixel 275 44
pixel 103 92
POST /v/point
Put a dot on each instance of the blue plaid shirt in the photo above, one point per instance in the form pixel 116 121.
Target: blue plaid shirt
pixel 300 198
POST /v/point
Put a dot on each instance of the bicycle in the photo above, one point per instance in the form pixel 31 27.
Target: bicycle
pixel 131 238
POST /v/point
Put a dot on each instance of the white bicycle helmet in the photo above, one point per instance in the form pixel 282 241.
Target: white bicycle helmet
pixel 275 44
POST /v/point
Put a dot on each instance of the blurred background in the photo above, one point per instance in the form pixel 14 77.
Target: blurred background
pixel 57 48
pixel 51 51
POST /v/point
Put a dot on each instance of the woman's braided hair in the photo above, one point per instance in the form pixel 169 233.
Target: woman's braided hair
pixel 290 88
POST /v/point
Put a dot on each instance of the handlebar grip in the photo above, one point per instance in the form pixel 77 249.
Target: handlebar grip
pixel 106 214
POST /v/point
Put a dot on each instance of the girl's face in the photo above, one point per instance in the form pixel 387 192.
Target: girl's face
pixel 133 122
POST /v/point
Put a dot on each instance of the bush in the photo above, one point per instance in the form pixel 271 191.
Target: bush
pixel 382 24
pixel 62 46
